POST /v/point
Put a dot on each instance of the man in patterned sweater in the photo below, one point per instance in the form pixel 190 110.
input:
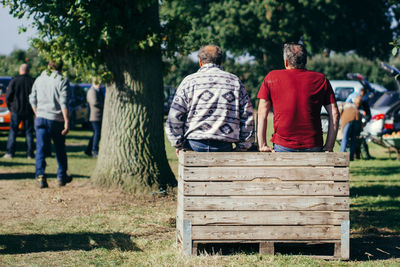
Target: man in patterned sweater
pixel 211 109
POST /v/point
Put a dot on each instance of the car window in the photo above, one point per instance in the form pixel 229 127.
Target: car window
pixel 341 93
pixel 387 99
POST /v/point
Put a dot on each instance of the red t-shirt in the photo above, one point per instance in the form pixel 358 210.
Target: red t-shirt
pixel 297 97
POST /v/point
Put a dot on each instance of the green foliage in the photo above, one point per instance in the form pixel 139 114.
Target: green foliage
pixel 9 65
pixel 86 33
pixel 260 27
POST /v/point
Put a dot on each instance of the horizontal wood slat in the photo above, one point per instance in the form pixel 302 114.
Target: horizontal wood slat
pixel 275 233
pixel 190 158
pixel 272 203
pixel 266 217
pixel 264 173
pixel 266 188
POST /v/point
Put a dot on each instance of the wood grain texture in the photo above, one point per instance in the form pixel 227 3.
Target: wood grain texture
pixel 190 158
pixel 263 174
pixel 275 233
pixel 271 203
pixel 265 217
pixel 266 189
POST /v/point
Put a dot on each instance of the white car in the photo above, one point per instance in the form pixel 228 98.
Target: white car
pixel 342 89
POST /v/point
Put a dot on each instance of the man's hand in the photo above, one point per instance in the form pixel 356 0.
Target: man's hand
pixel 266 148
pixel 177 152
pixel 66 128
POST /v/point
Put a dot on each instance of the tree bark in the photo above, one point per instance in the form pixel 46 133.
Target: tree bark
pixel 132 152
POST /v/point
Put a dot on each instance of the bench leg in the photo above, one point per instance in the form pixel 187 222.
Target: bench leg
pixel 267 248
pixel 187 237
pixel 345 240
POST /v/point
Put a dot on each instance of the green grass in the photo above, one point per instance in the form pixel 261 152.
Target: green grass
pixel 83 225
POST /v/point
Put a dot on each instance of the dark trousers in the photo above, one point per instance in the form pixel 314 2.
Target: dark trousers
pixel 28 125
pixel 47 130
pixel 350 132
pixel 94 141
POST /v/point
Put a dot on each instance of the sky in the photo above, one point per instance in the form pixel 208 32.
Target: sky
pixel 9 37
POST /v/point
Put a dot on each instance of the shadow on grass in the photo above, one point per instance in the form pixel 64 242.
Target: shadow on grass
pixel 371 220
pixel 375 190
pixel 19 244
pixel 374 171
pixel 13 163
pixel 31 175
pixel 375 248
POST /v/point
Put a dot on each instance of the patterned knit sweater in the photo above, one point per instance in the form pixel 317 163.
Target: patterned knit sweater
pixel 211 104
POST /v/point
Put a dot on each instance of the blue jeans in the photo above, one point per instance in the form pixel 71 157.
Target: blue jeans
pixel 279 148
pixel 28 125
pixel 350 132
pixel 94 141
pixel 47 130
pixel 208 146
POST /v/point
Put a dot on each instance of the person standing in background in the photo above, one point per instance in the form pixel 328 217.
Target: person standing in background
pixel 350 124
pixel 95 99
pixel 17 98
pixel 49 100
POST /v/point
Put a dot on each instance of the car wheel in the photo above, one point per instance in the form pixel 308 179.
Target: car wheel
pixel 324 123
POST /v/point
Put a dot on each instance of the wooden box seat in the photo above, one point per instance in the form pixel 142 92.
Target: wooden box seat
pixel 263 198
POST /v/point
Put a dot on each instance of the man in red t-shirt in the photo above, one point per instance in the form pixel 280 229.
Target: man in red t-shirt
pixel 296 96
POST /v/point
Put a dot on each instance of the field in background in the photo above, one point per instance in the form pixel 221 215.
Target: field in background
pixel 81 224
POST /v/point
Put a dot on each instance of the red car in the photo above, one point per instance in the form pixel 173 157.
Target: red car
pixel 5 115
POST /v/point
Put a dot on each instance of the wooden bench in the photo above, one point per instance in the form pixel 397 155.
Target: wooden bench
pixel 263 198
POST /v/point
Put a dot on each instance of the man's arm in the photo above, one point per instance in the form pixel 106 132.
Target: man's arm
pixel 33 99
pixel 66 121
pixel 174 126
pixel 246 135
pixel 63 100
pixel 333 127
pixel 264 107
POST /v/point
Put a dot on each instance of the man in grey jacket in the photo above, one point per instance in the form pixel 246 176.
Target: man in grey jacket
pixel 49 99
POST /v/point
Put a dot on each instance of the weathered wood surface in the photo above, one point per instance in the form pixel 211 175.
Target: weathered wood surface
pixel 275 233
pixel 263 174
pixel 249 203
pixel 266 188
pixel 191 158
pixel 265 217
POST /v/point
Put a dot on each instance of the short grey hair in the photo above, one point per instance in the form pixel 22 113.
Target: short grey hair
pixel 295 55
pixel 211 54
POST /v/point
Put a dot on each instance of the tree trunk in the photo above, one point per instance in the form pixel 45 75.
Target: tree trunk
pixel 132 153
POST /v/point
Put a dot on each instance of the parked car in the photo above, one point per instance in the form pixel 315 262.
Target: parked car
pixel 386 111
pixel 77 106
pixel 5 115
pixel 344 88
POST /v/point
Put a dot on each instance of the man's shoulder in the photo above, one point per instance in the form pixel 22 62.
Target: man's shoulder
pixel 316 74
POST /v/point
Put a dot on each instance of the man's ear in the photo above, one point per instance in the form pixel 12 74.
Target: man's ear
pixel 286 63
pixel 200 63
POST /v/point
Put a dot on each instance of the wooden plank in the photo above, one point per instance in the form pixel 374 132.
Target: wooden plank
pixel 288 203
pixel 266 188
pixel 264 174
pixel 275 233
pixel 266 217
pixel 190 158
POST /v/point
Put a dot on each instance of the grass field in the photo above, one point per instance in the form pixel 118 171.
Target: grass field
pixel 83 225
